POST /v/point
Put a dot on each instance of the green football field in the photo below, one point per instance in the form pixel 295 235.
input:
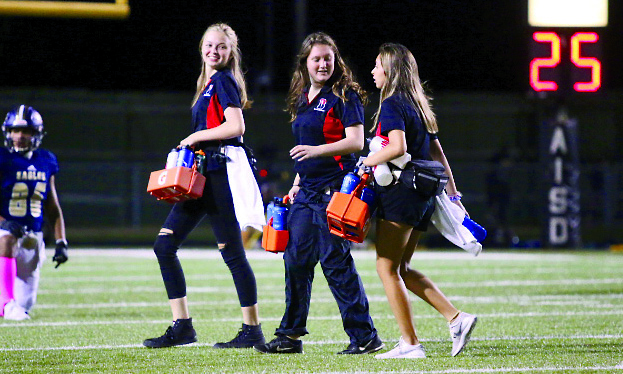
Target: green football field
pixel 539 312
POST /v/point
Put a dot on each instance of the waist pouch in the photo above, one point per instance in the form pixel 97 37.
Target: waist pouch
pixel 428 178
pixel 214 160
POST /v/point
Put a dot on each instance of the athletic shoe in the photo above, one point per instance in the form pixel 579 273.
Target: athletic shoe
pixel 404 350
pixel 182 332
pixel 247 337
pixel 373 345
pixel 14 312
pixel 460 331
pixel 281 344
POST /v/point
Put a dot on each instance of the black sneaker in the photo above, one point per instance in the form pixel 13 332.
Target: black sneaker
pixel 247 337
pixel 281 344
pixel 375 344
pixel 182 332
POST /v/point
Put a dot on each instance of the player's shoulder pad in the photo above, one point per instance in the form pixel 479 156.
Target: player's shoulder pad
pixel 44 153
pixel 4 152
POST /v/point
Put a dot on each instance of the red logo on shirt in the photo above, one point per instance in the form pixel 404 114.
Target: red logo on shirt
pixel 322 103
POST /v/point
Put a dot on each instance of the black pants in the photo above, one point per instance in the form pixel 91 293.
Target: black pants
pixel 217 205
pixel 311 242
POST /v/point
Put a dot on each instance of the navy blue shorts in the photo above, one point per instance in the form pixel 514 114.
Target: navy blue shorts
pixel 399 203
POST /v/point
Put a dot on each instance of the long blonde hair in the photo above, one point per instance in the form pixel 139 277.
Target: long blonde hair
pixel 342 79
pixel 402 76
pixel 234 64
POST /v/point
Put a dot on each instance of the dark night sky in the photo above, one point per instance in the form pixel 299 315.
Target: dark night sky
pixel 476 45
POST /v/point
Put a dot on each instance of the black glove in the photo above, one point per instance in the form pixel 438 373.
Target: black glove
pixel 13 227
pixel 60 253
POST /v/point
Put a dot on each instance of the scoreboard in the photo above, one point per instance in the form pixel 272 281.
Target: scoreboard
pixel 566 44
pixel 565 59
pixel 555 50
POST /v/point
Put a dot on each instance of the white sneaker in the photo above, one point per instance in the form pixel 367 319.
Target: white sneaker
pixel 404 350
pixel 14 312
pixel 460 331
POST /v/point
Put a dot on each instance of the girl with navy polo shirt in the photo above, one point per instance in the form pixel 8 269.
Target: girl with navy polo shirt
pixel 406 120
pixel 231 199
pixel 325 104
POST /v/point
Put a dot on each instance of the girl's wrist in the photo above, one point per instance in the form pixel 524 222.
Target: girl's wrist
pixel 455 196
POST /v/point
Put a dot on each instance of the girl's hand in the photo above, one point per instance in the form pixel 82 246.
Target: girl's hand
pixel 293 192
pixel 189 140
pixel 304 152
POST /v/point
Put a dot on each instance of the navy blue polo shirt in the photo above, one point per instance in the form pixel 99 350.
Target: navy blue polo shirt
pixel 323 121
pixel 397 113
pixel 220 93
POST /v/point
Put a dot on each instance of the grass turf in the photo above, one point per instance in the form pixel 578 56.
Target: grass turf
pixel 538 312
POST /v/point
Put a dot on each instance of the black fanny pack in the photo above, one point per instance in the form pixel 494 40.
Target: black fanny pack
pixel 216 159
pixel 426 177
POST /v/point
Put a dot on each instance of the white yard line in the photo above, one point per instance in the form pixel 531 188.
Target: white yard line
pixel 31 323
pixel 210 253
pixel 314 342
pixel 375 284
pixel 491 370
pixel 585 301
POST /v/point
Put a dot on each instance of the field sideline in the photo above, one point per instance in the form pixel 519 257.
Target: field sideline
pixel 539 312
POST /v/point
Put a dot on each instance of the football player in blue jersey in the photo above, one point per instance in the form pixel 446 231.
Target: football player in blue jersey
pixel 325 104
pixel 28 197
pixel 231 199
pixel 406 120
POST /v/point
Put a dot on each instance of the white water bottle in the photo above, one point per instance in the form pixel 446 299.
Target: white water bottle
pixel 400 162
pixel 377 143
pixel 382 175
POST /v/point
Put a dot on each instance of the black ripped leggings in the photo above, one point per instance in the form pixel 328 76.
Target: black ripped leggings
pixel 217 205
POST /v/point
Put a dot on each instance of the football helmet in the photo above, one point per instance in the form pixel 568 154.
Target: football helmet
pixel 23 116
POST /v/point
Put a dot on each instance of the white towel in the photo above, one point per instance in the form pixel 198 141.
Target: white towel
pixel 246 194
pixel 448 219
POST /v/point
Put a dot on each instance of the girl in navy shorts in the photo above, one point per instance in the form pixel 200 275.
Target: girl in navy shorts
pixel 231 198
pixel 406 120
pixel 325 104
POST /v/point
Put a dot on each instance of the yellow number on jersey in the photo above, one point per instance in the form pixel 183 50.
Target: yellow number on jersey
pixel 18 204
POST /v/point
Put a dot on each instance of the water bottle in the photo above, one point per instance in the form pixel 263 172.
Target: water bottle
pixel 270 211
pixel 377 143
pixel 185 157
pixel 402 160
pixel 200 157
pixel 280 217
pixel 382 175
pixel 171 159
pixel 367 196
pixel 351 180
pixel 478 231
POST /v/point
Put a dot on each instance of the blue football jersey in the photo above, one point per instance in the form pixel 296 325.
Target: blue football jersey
pixel 24 186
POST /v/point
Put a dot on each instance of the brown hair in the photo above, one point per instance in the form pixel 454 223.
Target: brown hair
pixel 342 79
